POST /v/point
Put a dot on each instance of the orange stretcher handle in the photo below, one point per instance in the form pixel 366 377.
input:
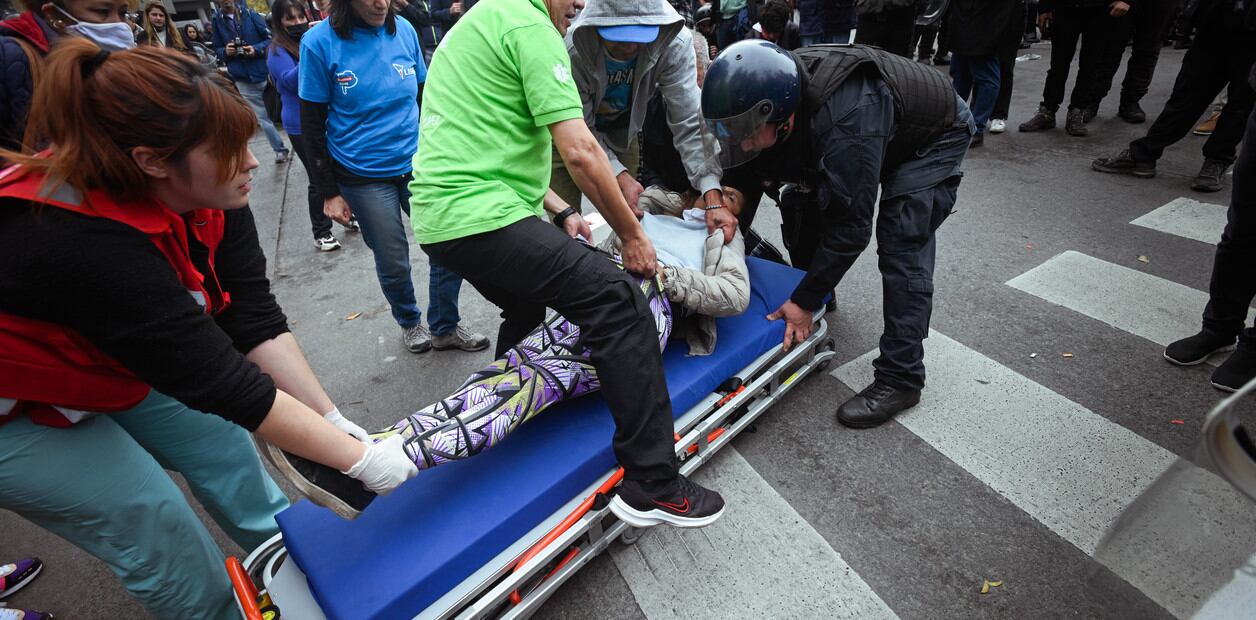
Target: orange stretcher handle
pixel 565 525
pixel 245 592
pixel 580 511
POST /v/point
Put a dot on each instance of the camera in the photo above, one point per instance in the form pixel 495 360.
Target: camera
pixel 238 43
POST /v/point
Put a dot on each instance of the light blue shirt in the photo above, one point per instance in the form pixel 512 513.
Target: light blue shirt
pixel 370 83
pixel 677 242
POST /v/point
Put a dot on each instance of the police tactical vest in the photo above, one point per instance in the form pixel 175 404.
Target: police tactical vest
pixel 924 99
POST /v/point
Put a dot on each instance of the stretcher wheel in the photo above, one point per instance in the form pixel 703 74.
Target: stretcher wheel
pixel 822 366
pixel 631 535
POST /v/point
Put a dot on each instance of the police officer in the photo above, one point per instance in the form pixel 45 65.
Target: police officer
pixel 837 121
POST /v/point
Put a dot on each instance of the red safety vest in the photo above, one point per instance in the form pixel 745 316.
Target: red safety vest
pixel 48 368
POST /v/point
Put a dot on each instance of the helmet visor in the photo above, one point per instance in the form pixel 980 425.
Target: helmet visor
pixel 732 136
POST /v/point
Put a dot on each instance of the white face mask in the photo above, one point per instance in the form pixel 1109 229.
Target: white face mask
pixel 113 37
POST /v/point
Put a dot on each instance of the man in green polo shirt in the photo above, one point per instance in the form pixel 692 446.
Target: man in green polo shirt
pixel 498 96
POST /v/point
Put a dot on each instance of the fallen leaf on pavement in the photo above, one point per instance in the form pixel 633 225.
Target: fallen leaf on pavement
pixel 1068 355
pixel 986 584
pixel 983 382
pixel 353 316
pixel 1143 259
pixel 1033 355
pixel 1177 421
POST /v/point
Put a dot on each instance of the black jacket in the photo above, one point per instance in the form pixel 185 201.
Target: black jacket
pixel 976 26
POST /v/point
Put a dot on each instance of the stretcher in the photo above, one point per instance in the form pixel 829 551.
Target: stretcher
pixel 494 536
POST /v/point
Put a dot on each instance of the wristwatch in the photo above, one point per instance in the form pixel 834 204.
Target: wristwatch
pixel 564 214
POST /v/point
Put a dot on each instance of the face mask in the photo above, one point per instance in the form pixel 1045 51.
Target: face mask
pixel 113 37
pixel 296 30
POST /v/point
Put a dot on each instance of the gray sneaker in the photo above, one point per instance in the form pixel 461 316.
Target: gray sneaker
pixel 417 339
pixel 460 338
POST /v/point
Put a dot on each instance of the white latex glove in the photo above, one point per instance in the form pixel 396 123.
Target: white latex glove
pixel 346 425
pixel 384 466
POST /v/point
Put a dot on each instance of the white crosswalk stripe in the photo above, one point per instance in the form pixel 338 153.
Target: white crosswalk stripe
pixel 734 568
pixel 1068 467
pixel 1139 303
pixel 1188 218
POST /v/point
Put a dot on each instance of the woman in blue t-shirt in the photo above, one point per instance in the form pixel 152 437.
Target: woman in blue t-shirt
pixel 288 23
pixel 359 91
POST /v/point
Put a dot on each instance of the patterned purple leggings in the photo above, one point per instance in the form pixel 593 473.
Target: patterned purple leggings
pixel 549 366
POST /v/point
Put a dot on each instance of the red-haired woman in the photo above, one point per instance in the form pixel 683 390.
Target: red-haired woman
pixel 159 29
pixel 134 287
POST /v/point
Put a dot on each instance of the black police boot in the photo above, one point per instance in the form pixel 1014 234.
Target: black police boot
pixel 1131 112
pixel 1196 349
pixel 1122 163
pixel 875 405
pixel 1075 123
pixel 1089 114
pixel 1236 371
pixel 1211 177
pixel 1044 119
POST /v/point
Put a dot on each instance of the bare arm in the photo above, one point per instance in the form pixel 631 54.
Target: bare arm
pixel 293 427
pixel 591 171
pixel 282 359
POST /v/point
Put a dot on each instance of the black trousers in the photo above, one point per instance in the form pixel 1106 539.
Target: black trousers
pixel 890 30
pixel 906 228
pixel 1092 26
pixel 319 222
pixel 1219 56
pixel 531 265
pixel 1233 287
pixel 1145 24
pixel 1006 55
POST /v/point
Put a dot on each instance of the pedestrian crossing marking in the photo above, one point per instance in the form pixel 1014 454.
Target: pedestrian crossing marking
pixel 1071 469
pixel 760 560
pixel 1187 218
pixel 1139 303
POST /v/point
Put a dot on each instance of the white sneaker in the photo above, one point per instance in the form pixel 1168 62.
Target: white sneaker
pixel 998 125
pixel 417 339
pixel 326 243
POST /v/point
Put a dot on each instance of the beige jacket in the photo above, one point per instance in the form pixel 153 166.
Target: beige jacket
pixel 722 288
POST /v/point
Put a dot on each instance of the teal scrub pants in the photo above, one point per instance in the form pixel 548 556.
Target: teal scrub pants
pixel 100 485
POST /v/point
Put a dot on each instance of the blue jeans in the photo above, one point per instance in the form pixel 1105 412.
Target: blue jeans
pixel 977 76
pixel 378 207
pixel 840 38
pixel 100 484
pixel 252 93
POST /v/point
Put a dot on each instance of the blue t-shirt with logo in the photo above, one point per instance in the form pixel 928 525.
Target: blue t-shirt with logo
pixel 370 83
pixel 612 112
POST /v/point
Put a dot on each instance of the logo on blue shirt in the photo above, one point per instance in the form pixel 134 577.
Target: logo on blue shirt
pixel 346 79
pixel 403 70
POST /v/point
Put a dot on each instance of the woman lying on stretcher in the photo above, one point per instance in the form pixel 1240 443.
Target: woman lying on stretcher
pixel 704 277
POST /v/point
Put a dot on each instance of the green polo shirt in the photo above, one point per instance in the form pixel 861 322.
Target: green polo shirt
pixel 499 78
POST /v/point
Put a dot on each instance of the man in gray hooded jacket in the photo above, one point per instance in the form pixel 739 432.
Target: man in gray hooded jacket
pixel 621 52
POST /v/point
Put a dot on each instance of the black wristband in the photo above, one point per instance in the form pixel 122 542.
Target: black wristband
pixel 564 214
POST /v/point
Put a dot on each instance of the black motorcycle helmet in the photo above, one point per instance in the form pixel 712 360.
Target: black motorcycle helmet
pixel 750 84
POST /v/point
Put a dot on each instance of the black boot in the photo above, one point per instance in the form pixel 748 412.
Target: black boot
pixel 1236 371
pixel 1075 123
pixel 875 405
pixel 1211 177
pixel 1044 119
pixel 1196 349
pixel 1122 163
pixel 1131 112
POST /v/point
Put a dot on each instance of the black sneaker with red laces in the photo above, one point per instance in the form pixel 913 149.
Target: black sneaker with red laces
pixel 678 502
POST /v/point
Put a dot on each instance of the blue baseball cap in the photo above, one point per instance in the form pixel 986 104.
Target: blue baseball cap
pixel 631 33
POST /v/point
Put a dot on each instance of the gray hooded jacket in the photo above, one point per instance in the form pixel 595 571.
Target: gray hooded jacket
pixel 667 64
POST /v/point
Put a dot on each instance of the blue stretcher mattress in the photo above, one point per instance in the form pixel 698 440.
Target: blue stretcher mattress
pixel 408 549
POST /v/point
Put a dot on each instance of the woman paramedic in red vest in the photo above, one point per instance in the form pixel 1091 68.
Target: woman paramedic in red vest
pixel 133 286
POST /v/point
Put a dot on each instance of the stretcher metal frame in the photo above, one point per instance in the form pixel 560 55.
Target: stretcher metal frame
pixel 516 582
